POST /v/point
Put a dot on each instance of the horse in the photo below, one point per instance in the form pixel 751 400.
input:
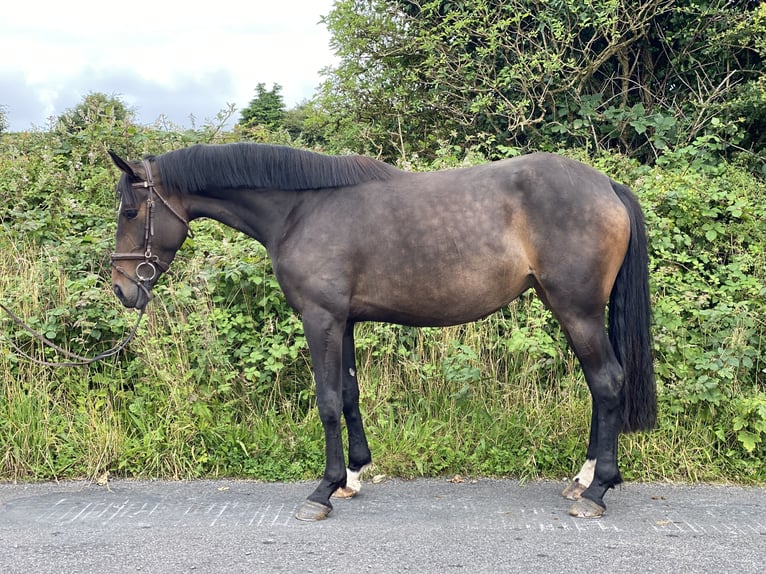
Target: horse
pixel 353 239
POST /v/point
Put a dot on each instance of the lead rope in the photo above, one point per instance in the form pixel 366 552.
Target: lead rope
pixel 78 360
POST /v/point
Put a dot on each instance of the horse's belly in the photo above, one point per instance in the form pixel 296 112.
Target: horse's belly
pixel 439 298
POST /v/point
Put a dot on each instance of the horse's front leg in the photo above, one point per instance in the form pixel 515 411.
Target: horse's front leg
pixel 359 456
pixel 324 334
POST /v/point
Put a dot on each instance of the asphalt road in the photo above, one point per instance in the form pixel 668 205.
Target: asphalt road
pixel 424 526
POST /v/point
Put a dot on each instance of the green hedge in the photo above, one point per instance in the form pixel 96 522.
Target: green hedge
pixel 218 381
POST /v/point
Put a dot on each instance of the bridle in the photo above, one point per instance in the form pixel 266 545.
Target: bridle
pixel 146 270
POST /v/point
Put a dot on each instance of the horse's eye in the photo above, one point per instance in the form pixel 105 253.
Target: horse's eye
pixel 130 213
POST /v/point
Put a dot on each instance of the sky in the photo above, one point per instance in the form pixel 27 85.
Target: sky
pixel 172 58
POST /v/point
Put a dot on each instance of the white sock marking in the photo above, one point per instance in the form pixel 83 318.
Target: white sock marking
pixel 353 482
pixel 585 476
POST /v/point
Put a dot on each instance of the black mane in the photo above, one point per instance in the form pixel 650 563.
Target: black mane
pixel 261 166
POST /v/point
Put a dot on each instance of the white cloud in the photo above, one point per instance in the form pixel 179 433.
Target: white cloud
pixel 172 58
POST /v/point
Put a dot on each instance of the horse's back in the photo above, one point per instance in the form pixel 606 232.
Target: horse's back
pixel 452 246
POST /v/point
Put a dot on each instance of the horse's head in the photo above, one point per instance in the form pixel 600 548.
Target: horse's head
pixel 152 224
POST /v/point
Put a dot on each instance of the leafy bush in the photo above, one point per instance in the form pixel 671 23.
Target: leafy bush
pixel 639 77
pixel 218 381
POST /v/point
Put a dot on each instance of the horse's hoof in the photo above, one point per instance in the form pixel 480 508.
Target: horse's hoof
pixel 353 484
pixel 574 490
pixel 345 492
pixel 586 508
pixel 311 511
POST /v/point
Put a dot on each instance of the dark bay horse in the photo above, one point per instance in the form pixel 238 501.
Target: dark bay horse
pixel 353 239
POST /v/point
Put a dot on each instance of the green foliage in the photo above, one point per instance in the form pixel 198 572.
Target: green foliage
pixel 266 120
pixel 266 109
pixel 306 124
pixel 96 108
pixel 640 77
pixel 218 382
pixel 750 422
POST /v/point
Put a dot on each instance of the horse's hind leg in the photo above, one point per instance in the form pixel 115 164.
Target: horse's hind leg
pixel 582 479
pixel 359 456
pixel 604 375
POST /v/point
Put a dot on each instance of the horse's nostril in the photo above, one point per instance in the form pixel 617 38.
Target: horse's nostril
pixel 118 292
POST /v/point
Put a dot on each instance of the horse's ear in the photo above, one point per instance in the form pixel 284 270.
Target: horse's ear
pixel 123 165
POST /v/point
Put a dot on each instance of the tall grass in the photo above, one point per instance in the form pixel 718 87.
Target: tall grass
pixel 501 397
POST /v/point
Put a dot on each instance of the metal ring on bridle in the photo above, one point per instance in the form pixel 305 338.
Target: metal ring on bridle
pixel 140 275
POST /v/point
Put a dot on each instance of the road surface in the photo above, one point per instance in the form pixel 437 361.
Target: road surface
pixel 423 526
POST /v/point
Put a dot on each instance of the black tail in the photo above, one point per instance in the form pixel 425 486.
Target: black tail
pixel 629 322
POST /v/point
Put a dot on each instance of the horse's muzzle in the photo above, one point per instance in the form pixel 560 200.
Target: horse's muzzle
pixel 135 300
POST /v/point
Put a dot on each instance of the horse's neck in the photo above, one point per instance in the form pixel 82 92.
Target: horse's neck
pixel 259 214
